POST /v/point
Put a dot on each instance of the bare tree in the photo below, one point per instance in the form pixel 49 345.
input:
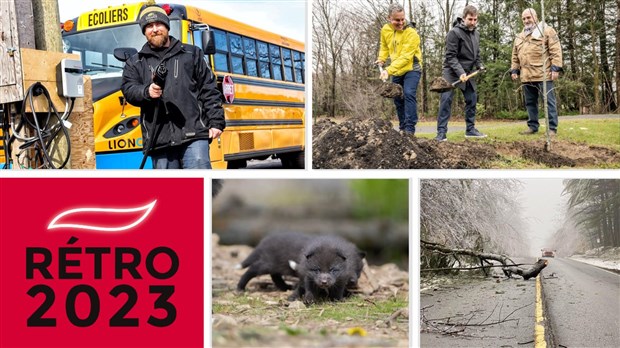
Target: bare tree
pixel 330 27
pixel 618 54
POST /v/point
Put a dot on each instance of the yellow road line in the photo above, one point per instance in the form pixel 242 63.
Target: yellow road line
pixel 539 328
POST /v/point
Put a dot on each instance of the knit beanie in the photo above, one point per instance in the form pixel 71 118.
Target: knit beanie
pixel 153 14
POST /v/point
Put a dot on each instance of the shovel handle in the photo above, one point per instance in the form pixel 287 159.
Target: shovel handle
pixel 467 77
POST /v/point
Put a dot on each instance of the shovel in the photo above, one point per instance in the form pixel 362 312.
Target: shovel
pixel 389 89
pixel 440 84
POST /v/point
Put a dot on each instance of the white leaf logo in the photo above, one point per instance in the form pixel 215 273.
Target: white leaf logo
pixel 63 220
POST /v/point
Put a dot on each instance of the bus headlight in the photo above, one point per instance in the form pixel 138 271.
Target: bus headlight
pixel 122 127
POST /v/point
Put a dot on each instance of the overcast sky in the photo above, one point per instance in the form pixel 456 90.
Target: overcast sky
pixel 287 17
pixel 543 208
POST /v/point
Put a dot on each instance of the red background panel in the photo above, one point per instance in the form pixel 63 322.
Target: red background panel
pixel 176 221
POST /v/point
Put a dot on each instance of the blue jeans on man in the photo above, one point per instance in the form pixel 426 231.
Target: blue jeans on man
pixel 407 107
pixel 445 109
pixel 194 155
pixel 533 91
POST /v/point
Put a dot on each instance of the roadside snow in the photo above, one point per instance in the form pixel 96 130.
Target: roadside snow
pixel 608 258
pixel 607 264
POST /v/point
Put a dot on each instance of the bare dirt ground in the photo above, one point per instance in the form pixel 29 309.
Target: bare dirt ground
pixel 372 143
pixel 375 316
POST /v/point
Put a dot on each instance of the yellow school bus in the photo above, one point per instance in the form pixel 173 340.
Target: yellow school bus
pixel 261 76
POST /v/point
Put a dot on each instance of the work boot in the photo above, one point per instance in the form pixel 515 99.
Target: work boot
pixel 553 132
pixel 529 131
pixel 474 133
pixel 441 137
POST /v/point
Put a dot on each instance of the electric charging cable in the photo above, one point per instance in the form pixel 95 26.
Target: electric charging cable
pixel 45 131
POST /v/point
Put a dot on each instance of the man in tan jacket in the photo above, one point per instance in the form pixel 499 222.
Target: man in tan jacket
pixel 527 63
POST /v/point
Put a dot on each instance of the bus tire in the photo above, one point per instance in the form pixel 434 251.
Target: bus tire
pixel 295 160
pixel 237 164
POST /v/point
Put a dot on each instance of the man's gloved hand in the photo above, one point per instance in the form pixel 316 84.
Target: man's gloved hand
pixel 384 75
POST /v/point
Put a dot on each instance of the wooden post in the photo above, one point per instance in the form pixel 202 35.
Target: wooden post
pixel 10 59
pixel 48 38
pixel 10 62
pixel 47 25
pixel 25 23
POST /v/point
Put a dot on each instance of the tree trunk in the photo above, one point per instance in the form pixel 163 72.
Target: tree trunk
pixel 596 107
pixel 618 55
pixel 609 103
pixel 529 273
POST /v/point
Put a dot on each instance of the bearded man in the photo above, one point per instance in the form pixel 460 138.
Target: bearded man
pixel 528 65
pixel 189 106
pixel 461 57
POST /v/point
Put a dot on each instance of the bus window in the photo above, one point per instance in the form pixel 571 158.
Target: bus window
pixel 263 58
pixel 236 53
pixel 299 75
pixel 276 61
pixel 250 56
pixel 288 64
pixel 93 58
pixel 221 51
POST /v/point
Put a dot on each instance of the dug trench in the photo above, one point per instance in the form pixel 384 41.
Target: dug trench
pixel 373 143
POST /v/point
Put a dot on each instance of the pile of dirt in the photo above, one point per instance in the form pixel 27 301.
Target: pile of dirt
pixel 373 143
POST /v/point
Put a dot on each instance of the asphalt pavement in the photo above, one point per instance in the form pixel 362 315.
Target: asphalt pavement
pixel 479 312
pixel 583 304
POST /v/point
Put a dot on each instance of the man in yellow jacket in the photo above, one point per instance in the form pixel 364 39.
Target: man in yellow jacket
pixel 401 43
pixel 527 63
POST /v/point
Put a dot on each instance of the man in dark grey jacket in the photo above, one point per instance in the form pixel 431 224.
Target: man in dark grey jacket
pixel 189 106
pixel 461 58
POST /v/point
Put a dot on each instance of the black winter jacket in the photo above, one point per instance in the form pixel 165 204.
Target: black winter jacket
pixel 462 53
pixel 190 103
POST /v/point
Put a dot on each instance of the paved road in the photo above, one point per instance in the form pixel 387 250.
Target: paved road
pixel 583 304
pixel 460 126
pixel 495 313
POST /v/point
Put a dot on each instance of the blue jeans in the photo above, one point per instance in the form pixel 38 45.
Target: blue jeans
pixel 532 91
pixel 194 155
pixel 407 107
pixel 445 108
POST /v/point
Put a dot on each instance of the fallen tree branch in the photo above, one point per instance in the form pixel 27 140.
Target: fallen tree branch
pixel 503 259
pixel 529 273
pixel 509 267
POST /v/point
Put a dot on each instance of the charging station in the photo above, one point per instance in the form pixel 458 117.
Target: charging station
pixel 69 78
pixel 61 76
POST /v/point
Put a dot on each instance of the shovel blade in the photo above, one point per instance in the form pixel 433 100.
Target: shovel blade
pixel 440 85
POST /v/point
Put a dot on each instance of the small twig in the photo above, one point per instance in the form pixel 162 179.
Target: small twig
pixel 426 307
pixel 370 301
pixel 493 311
pixel 487 324
pixel 506 317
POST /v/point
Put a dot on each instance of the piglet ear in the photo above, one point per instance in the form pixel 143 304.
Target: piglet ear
pixel 362 254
